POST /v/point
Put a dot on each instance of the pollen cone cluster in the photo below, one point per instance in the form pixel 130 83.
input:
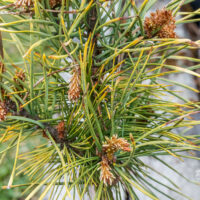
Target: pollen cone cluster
pixel 53 3
pixel 3 111
pixel 105 172
pixel 111 146
pixel 61 130
pixel 74 86
pixel 161 23
pixel 28 3
pixel 23 3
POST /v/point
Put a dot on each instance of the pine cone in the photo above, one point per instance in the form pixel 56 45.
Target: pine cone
pixel 74 86
pixel 3 111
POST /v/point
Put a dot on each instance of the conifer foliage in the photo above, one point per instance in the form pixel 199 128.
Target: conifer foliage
pixel 90 131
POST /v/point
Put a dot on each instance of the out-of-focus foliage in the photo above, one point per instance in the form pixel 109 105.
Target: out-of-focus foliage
pixel 5 171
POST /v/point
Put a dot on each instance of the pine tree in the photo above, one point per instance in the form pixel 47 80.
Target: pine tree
pixel 91 130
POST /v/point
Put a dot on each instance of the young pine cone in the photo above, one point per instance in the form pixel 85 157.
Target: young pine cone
pixel 3 111
pixel 161 24
pixel 74 86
